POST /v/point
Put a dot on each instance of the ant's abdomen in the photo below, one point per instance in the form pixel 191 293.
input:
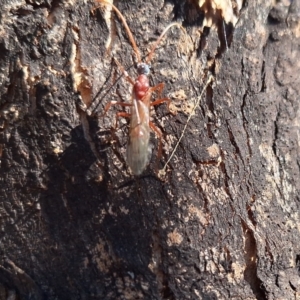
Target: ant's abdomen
pixel 138 150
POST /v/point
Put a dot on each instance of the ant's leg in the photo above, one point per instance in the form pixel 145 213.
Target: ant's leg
pixel 159 101
pixel 118 115
pixel 127 77
pixel 108 106
pixel 159 134
pixel 157 88
pixel 123 115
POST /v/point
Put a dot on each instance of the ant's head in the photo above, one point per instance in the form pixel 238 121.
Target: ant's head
pixel 143 68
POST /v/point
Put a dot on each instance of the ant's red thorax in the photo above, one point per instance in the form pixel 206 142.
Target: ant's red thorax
pixel 141 86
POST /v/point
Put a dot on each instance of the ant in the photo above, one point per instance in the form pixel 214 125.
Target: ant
pixel 138 150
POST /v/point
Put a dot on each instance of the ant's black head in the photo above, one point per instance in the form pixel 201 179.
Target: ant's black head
pixel 143 68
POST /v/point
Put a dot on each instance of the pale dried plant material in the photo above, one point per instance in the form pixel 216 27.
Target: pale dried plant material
pixel 227 9
pixel 106 16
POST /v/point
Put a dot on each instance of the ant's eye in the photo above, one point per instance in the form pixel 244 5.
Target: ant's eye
pixel 143 68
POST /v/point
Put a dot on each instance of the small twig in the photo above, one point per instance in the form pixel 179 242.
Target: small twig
pixel 163 170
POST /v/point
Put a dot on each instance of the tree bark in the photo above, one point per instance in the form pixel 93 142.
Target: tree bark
pixel 221 223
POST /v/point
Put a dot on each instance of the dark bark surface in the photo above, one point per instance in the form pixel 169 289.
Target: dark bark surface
pixel 223 223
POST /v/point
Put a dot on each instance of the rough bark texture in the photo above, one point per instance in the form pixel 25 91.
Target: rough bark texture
pixel 223 223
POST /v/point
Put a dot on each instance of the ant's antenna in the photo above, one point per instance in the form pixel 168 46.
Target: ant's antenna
pixel 151 53
pixel 134 46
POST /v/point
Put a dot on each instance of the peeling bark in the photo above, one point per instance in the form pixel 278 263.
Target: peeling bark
pixel 223 223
